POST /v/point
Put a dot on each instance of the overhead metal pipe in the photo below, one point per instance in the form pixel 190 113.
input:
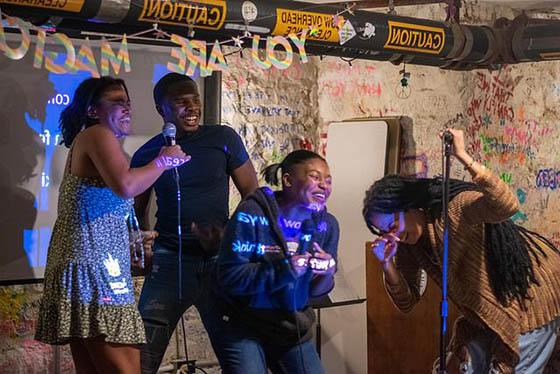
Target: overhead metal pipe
pixel 336 31
pixel 535 40
pixel 79 9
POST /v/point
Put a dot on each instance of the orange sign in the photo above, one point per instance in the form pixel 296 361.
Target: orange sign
pixel 203 14
pixel 294 21
pixel 415 38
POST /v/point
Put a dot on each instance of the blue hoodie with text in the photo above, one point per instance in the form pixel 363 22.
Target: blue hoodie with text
pixel 257 285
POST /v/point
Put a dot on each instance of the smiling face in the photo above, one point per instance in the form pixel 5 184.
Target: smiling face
pixel 308 184
pixel 113 110
pixel 408 226
pixel 182 106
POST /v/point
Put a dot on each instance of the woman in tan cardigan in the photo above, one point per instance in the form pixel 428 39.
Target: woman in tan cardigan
pixel 504 279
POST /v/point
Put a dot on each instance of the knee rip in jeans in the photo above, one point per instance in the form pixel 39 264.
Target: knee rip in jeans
pixel 154 305
pixel 464 367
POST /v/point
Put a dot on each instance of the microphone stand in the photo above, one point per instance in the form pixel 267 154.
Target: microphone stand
pixel 191 368
pixel 169 132
pixel 191 364
pixel 447 146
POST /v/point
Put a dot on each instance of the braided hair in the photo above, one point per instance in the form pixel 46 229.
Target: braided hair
pixel 508 246
pixel 75 117
pixel 270 173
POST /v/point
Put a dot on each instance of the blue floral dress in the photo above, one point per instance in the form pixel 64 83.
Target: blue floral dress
pixel 88 288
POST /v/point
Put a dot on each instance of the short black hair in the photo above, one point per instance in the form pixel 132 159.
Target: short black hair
pixel 270 173
pixel 162 86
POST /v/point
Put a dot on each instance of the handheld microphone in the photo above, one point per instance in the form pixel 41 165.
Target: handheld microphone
pixel 306 236
pixel 169 132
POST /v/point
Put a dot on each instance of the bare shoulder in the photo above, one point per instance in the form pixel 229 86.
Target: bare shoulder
pixel 98 131
pixel 96 136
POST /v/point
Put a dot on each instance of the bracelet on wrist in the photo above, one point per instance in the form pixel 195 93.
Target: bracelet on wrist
pixel 470 164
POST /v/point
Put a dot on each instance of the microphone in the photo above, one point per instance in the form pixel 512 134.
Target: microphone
pixel 169 132
pixel 447 137
pixel 306 236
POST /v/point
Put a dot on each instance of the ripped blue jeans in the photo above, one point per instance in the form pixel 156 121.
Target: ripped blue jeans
pixel 161 308
pixel 535 348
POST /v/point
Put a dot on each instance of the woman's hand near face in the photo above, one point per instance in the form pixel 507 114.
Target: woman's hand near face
pixel 385 248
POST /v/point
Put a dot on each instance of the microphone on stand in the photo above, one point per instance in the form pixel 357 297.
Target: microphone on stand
pixel 447 143
pixel 447 137
pixel 169 132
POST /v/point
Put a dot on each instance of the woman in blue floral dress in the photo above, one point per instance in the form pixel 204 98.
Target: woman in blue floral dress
pixel 88 299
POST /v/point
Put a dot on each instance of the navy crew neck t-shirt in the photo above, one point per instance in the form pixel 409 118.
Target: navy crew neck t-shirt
pixel 216 151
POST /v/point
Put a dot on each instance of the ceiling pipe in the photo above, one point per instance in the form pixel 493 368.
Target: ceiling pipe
pixel 365 35
pixel 535 40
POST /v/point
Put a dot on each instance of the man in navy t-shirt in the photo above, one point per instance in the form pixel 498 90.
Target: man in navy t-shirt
pixel 217 153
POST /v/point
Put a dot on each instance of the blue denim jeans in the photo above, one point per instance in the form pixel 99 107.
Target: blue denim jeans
pixel 535 349
pixel 161 308
pixel 241 352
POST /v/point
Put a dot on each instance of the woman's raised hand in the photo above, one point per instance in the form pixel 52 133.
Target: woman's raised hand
pixel 171 157
pixel 458 142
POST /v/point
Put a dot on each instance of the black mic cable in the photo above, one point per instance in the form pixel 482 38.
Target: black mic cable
pixel 305 241
pixel 306 236
pixel 169 133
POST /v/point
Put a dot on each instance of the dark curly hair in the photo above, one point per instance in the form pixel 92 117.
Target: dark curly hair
pixel 508 246
pixel 74 117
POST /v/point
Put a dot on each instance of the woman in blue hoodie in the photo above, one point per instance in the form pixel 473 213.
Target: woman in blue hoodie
pixel 278 251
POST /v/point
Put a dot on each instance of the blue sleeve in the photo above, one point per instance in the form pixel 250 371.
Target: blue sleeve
pixel 243 269
pixel 138 161
pixel 333 234
pixel 146 153
pixel 236 153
